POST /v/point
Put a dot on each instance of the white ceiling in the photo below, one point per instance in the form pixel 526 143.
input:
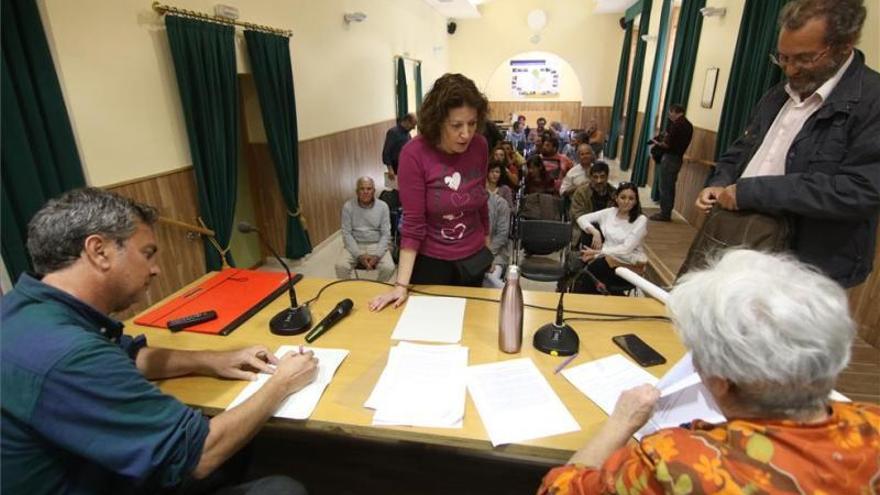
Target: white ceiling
pixel 612 6
pixel 456 9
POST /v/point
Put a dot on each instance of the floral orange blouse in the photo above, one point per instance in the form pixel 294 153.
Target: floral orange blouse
pixel 840 455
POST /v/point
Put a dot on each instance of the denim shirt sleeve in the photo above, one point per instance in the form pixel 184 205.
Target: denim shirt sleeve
pixel 96 404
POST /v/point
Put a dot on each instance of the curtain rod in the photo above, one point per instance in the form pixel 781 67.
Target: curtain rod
pixel 407 58
pixel 167 9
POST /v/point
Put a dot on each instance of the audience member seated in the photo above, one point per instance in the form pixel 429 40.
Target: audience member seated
pixel 560 133
pixel 594 196
pixel 499 225
pixel 537 178
pixel 538 131
pixel 366 232
pixel 497 182
pixel 769 336
pixel 570 149
pixel 517 136
pixel 515 161
pixel 579 174
pixel 556 163
pixel 500 156
pixel 623 228
pixel 80 413
pixel 595 137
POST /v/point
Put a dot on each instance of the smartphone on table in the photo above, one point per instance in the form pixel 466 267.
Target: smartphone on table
pixel 637 349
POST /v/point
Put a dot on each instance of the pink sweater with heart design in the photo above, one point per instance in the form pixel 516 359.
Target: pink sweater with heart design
pixel 445 203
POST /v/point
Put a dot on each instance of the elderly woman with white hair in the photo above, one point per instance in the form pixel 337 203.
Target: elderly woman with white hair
pixel 768 336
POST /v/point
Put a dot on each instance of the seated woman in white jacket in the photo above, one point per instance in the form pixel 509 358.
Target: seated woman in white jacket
pixel 623 228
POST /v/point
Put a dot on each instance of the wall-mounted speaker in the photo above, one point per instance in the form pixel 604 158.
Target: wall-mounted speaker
pixel 451 26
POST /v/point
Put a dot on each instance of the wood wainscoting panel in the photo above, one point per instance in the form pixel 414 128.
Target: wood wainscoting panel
pixel 329 168
pixel 865 303
pixel 695 170
pixel 601 114
pixel 569 111
pixel 181 254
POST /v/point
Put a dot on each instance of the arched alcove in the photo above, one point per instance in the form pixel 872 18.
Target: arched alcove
pixel 499 87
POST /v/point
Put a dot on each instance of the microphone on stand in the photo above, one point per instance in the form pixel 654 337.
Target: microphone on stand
pixel 296 319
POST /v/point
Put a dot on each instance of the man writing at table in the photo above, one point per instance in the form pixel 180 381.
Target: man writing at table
pixel 78 412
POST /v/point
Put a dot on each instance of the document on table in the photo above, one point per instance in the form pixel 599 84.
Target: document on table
pixel 683 398
pixel 422 385
pixel 301 404
pixel 431 319
pixel 516 403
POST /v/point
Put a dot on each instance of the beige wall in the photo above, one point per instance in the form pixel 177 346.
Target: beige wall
pixel 115 70
pixel 498 87
pixel 870 43
pixel 589 42
pixel 717 45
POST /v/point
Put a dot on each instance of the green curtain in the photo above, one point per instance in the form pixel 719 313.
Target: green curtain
pixel 402 104
pixel 635 86
pixel 418 86
pixel 751 73
pixel 39 155
pixel 204 61
pixel 619 93
pixel 639 174
pixel 681 70
pixel 273 75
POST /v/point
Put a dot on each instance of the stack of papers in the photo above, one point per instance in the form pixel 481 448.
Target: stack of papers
pixel 422 385
pixel 431 319
pixel 516 403
pixel 301 404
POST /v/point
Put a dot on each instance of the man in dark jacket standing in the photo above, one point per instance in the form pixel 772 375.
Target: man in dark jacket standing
pixel 812 149
pixel 675 142
pixel 395 138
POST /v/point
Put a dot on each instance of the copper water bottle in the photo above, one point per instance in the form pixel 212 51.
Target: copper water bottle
pixel 510 313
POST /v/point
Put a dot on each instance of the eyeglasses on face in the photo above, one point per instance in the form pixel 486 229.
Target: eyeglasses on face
pixel 800 60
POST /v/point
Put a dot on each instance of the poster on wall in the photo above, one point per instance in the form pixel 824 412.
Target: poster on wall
pixel 534 77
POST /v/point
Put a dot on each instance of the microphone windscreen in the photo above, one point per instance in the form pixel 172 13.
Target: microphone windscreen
pixel 245 228
pixel 346 306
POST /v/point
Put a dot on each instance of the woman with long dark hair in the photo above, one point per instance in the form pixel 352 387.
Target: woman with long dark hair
pixel 624 229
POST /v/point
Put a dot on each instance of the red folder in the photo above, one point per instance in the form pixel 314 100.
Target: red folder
pixel 234 294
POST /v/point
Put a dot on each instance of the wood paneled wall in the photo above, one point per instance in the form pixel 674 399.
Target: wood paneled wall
pixel 329 168
pixel 181 253
pixel 696 167
pixel 570 111
pixel 601 114
pixel 865 303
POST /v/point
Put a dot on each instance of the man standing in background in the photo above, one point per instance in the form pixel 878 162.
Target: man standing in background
pixel 674 143
pixel 395 138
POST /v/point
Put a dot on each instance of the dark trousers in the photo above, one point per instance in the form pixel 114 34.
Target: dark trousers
pixel 670 165
pixel 434 271
pixel 602 271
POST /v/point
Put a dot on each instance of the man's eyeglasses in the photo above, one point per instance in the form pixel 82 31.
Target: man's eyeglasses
pixel 801 60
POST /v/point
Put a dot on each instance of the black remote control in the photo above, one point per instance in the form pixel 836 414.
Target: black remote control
pixel 188 321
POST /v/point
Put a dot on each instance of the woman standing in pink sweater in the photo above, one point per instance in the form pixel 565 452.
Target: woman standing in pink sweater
pixel 442 177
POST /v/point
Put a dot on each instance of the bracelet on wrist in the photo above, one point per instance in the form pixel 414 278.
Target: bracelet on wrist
pixel 405 286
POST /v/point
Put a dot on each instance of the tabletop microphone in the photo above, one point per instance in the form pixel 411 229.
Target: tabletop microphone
pixel 339 312
pixel 296 319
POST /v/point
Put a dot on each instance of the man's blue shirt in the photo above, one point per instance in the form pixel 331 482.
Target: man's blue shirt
pixel 77 415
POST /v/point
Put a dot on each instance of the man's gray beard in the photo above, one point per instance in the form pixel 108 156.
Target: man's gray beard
pixel 818 79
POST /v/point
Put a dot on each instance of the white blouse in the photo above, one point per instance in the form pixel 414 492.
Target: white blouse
pixel 623 240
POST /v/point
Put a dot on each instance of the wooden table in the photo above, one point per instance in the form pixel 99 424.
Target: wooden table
pixel 367 336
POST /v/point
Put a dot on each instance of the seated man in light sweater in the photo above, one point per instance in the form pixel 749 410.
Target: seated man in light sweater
pixel 366 232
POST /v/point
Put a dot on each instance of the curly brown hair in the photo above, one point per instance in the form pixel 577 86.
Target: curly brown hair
pixel 450 91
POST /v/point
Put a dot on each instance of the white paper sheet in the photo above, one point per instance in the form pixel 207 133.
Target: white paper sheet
pixel 516 403
pixel 422 385
pixel 604 379
pixel 301 404
pixel 431 319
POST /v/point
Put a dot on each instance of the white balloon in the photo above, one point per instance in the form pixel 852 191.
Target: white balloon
pixel 537 19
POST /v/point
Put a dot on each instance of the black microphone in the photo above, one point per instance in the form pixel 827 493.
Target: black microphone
pixel 339 312
pixel 295 319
